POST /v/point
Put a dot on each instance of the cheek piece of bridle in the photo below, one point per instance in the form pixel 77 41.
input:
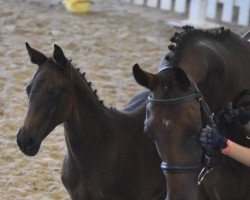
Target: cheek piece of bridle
pixel 206 158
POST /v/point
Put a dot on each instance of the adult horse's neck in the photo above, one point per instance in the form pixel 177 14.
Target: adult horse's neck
pixel 218 66
pixel 179 186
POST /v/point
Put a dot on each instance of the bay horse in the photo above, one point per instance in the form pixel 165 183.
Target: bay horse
pixel 201 68
pixel 108 157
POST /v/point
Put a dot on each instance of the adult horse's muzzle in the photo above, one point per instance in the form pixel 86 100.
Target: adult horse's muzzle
pixel 26 143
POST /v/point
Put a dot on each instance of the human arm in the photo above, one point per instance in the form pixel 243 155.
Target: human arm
pixel 211 139
pixel 239 153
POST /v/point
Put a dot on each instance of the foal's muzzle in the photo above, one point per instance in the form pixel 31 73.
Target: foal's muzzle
pixel 26 143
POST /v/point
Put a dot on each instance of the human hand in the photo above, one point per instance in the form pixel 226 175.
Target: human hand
pixel 211 140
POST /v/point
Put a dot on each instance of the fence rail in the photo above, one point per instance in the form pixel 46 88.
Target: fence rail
pixel 230 9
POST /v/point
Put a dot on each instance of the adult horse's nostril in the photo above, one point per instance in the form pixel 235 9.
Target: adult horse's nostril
pixel 145 130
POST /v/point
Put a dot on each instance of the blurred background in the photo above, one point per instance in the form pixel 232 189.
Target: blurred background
pixel 105 42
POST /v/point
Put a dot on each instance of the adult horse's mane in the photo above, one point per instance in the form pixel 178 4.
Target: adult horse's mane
pixel 179 41
pixel 180 38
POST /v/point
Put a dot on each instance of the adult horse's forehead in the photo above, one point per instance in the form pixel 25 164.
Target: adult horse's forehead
pixel 165 77
pixel 163 72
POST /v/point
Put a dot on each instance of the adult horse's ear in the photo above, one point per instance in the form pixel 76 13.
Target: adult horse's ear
pixel 144 78
pixel 59 56
pixel 181 78
pixel 35 56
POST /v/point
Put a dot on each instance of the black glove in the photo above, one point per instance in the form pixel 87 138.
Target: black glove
pixel 243 117
pixel 227 114
pixel 211 140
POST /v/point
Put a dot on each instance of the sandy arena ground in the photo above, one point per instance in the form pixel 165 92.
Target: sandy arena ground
pixel 105 43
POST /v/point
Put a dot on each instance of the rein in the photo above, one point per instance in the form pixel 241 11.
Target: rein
pixel 170 168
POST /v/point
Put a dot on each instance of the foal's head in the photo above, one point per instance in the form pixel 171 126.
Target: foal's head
pixel 173 118
pixel 50 98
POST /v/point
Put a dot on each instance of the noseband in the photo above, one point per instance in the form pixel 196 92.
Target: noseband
pixel 171 168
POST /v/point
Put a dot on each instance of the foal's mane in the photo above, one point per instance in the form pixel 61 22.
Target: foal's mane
pixel 89 83
pixel 179 40
pixel 111 109
pixel 82 74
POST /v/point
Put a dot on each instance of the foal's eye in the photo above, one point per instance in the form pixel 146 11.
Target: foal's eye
pixel 55 95
pixel 28 88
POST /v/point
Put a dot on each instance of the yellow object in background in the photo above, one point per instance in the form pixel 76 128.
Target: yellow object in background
pixel 77 6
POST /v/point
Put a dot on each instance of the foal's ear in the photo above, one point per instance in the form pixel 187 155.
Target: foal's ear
pixel 35 56
pixel 144 78
pixel 181 78
pixel 59 56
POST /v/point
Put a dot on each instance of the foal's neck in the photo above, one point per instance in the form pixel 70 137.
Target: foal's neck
pixel 89 117
pixel 93 131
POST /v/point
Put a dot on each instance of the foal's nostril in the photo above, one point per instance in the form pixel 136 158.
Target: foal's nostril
pixel 20 130
pixel 24 142
pixel 30 142
pixel 19 139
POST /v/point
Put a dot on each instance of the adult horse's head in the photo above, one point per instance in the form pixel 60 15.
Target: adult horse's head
pixel 215 62
pixel 50 99
pixel 173 121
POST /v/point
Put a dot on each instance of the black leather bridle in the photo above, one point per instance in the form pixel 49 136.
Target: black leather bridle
pixel 174 168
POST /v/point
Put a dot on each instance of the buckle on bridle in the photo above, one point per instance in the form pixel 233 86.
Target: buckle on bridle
pixel 203 173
